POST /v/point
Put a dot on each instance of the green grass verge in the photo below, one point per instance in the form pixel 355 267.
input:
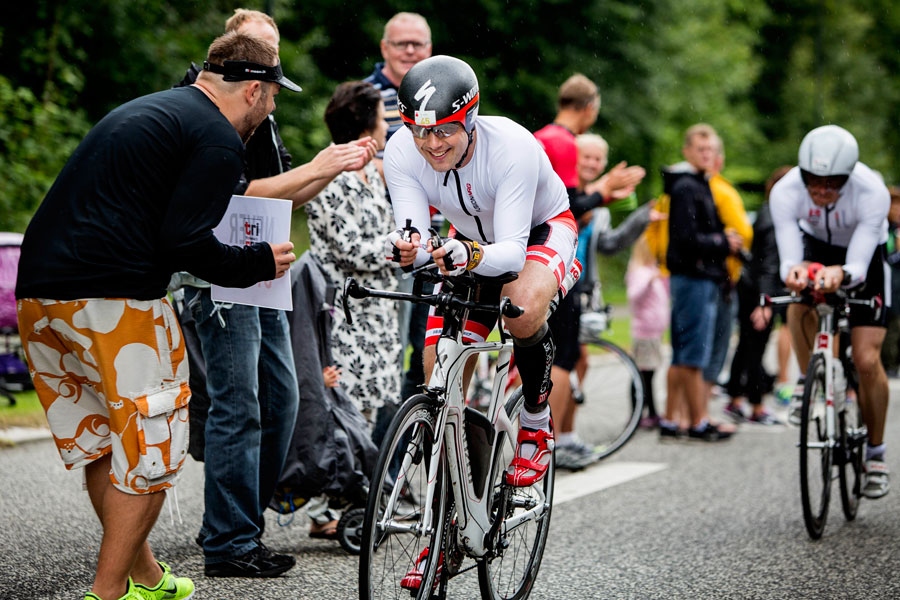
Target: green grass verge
pixel 27 412
pixel 620 328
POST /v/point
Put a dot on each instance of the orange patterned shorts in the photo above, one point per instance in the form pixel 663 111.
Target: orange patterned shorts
pixel 112 376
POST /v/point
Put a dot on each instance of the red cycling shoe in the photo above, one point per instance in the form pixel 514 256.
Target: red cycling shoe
pixel 413 580
pixel 524 472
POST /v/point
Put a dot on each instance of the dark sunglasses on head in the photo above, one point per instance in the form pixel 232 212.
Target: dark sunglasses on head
pixel 831 182
pixel 442 131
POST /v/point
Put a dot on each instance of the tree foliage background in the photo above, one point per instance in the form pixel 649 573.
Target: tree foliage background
pixel 763 72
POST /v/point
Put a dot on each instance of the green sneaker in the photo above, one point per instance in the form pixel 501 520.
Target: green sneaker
pixel 131 594
pixel 783 393
pixel 168 588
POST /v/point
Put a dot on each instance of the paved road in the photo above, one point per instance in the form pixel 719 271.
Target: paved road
pixel 683 520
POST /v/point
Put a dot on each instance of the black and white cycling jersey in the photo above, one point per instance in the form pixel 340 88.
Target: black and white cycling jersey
pixel 857 221
pixel 506 189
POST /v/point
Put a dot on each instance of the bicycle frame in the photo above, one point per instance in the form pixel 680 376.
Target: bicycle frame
pixel 445 386
pixel 824 346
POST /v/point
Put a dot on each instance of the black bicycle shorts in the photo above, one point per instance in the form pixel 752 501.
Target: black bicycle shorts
pixel 878 277
pixel 564 325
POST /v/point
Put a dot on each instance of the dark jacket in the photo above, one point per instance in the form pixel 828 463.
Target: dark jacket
pixel 760 274
pixel 697 242
pixel 331 452
pixel 388 93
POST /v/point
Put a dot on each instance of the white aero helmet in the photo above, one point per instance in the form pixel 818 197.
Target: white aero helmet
pixel 827 151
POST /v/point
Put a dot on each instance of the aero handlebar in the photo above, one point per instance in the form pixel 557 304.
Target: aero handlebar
pixel 445 300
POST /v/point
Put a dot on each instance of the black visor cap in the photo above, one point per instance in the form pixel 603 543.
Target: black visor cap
pixel 243 70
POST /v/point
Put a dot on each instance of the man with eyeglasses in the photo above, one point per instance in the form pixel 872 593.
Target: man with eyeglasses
pixel 832 209
pixel 406 41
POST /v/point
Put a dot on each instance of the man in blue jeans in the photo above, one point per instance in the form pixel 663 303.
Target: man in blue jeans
pixel 698 245
pixel 250 373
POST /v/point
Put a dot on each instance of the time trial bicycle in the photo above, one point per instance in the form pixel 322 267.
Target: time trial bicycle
pixel 832 434
pixel 438 495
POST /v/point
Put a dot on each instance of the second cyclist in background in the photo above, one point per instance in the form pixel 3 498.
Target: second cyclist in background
pixel 832 209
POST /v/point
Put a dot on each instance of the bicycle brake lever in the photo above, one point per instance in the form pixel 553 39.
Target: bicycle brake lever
pixel 352 290
pixel 508 309
pixel 345 298
pixel 436 241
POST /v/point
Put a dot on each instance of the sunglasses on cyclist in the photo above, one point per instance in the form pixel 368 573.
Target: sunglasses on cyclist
pixel 829 182
pixel 442 131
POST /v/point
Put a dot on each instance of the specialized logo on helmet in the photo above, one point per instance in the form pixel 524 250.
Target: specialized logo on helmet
pixel 425 118
pixel 820 164
pixel 468 97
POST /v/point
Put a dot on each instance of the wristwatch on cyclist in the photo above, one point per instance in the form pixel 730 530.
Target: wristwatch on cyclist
pixel 476 253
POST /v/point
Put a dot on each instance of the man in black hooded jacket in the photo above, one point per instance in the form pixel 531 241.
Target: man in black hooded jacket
pixel 698 245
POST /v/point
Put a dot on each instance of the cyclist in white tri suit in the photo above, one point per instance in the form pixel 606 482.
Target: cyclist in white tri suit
pixel 510 212
pixel 832 209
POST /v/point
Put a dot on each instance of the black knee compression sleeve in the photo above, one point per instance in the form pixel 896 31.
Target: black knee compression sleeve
pixel 534 357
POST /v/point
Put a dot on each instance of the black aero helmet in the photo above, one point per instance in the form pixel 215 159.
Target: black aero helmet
pixel 439 90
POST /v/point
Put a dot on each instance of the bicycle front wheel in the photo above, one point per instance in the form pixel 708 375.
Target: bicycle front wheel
pixel 511 572
pixel 613 395
pixel 815 453
pixel 396 560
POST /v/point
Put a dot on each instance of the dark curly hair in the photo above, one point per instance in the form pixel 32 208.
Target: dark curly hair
pixel 352 110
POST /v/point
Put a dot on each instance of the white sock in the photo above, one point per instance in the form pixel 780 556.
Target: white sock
pixel 567 438
pixel 872 451
pixel 536 421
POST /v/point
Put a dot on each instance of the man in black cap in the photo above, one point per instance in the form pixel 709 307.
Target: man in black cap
pixel 136 202
pixel 250 378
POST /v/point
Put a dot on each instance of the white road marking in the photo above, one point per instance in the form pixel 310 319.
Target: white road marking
pixel 599 477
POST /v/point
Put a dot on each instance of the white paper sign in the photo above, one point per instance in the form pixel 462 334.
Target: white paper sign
pixel 249 220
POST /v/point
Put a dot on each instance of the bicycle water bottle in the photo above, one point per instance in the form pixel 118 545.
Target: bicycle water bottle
pixel 840 385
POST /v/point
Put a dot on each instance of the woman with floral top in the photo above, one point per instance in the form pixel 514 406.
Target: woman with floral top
pixel 347 221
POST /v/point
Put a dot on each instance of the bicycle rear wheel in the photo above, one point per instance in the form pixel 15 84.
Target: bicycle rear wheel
pixel 853 442
pixel 815 455
pixel 511 572
pixel 395 538
pixel 613 398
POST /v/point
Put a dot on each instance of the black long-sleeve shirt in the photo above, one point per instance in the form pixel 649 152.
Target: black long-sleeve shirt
pixel 137 201
pixel 762 269
pixel 697 242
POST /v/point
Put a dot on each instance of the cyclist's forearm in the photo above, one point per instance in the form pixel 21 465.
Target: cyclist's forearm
pixel 500 258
